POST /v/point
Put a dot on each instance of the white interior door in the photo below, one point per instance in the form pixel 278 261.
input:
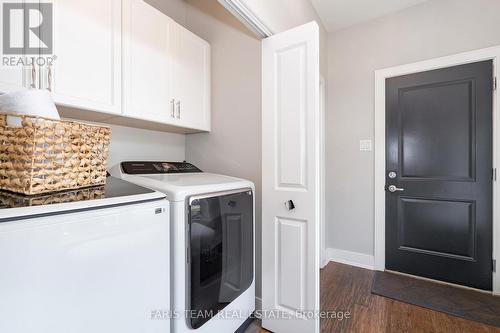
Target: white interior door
pixel 291 171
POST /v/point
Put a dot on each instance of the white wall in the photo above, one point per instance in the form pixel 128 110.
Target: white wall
pixel 133 144
pixel 433 29
pixel 175 9
pixel 137 144
pixel 281 15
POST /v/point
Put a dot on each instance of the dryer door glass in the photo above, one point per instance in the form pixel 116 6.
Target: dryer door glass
pixel 221 253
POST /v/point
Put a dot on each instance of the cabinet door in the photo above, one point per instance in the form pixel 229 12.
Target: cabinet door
pixel 192 79
pixel 87 43
pixel 11 79
pixel 146 62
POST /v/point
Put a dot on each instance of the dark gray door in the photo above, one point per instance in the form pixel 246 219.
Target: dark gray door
pixel 439 164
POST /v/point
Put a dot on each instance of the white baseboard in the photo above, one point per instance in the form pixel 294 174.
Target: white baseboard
pixel 351 258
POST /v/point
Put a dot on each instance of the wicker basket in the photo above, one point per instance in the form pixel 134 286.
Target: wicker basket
pixel 44 155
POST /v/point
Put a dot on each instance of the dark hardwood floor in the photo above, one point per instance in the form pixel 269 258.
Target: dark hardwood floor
pixel 347 288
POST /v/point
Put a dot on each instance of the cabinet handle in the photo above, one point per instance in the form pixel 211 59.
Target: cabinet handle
pixel 178 109
pixel 172 108
pixel 33 75
pixel 49 77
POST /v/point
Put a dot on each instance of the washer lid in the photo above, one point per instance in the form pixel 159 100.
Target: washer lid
pixel 181 185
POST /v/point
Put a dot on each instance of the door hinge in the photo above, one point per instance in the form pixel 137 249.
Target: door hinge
pixel 494 174
pixel 494 265
pixel 495 84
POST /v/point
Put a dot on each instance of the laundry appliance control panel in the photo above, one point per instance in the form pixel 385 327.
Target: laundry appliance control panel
pixel 143 168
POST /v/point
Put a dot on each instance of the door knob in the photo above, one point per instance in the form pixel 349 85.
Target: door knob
pixel 393 189
pixel 289 205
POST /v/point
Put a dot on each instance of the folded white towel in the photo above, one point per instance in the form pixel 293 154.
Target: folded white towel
pixel 32 102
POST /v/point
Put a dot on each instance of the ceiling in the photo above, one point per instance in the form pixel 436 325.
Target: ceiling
pixel 339 14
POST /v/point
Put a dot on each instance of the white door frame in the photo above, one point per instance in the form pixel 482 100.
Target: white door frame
pixel 322 110
pixel 492 53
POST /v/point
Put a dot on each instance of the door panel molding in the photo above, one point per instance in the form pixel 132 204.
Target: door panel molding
pixel 492 53
pixel 467 90
pixel 291 121
pixel 466 208
pixel 290 248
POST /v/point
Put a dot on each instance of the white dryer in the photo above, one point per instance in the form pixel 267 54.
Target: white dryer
pixel 212 237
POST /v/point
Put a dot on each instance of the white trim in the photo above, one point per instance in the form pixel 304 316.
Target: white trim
pixel 492 53
pixel 350 258
pixel 322 106
pixel 247 17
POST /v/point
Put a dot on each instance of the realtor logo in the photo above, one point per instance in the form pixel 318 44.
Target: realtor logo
pixel 27 28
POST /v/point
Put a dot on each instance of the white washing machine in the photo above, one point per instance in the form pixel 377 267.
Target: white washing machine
pixel 94 260
pixel 212 237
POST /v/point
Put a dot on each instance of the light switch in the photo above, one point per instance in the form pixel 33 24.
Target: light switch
pixel 365 145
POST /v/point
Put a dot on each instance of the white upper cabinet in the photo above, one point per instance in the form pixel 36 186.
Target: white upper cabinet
pixel 126 61
pixel 190 58
pixel 12 79
pixel 146 64
pixel 87 43
pixel 166 69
